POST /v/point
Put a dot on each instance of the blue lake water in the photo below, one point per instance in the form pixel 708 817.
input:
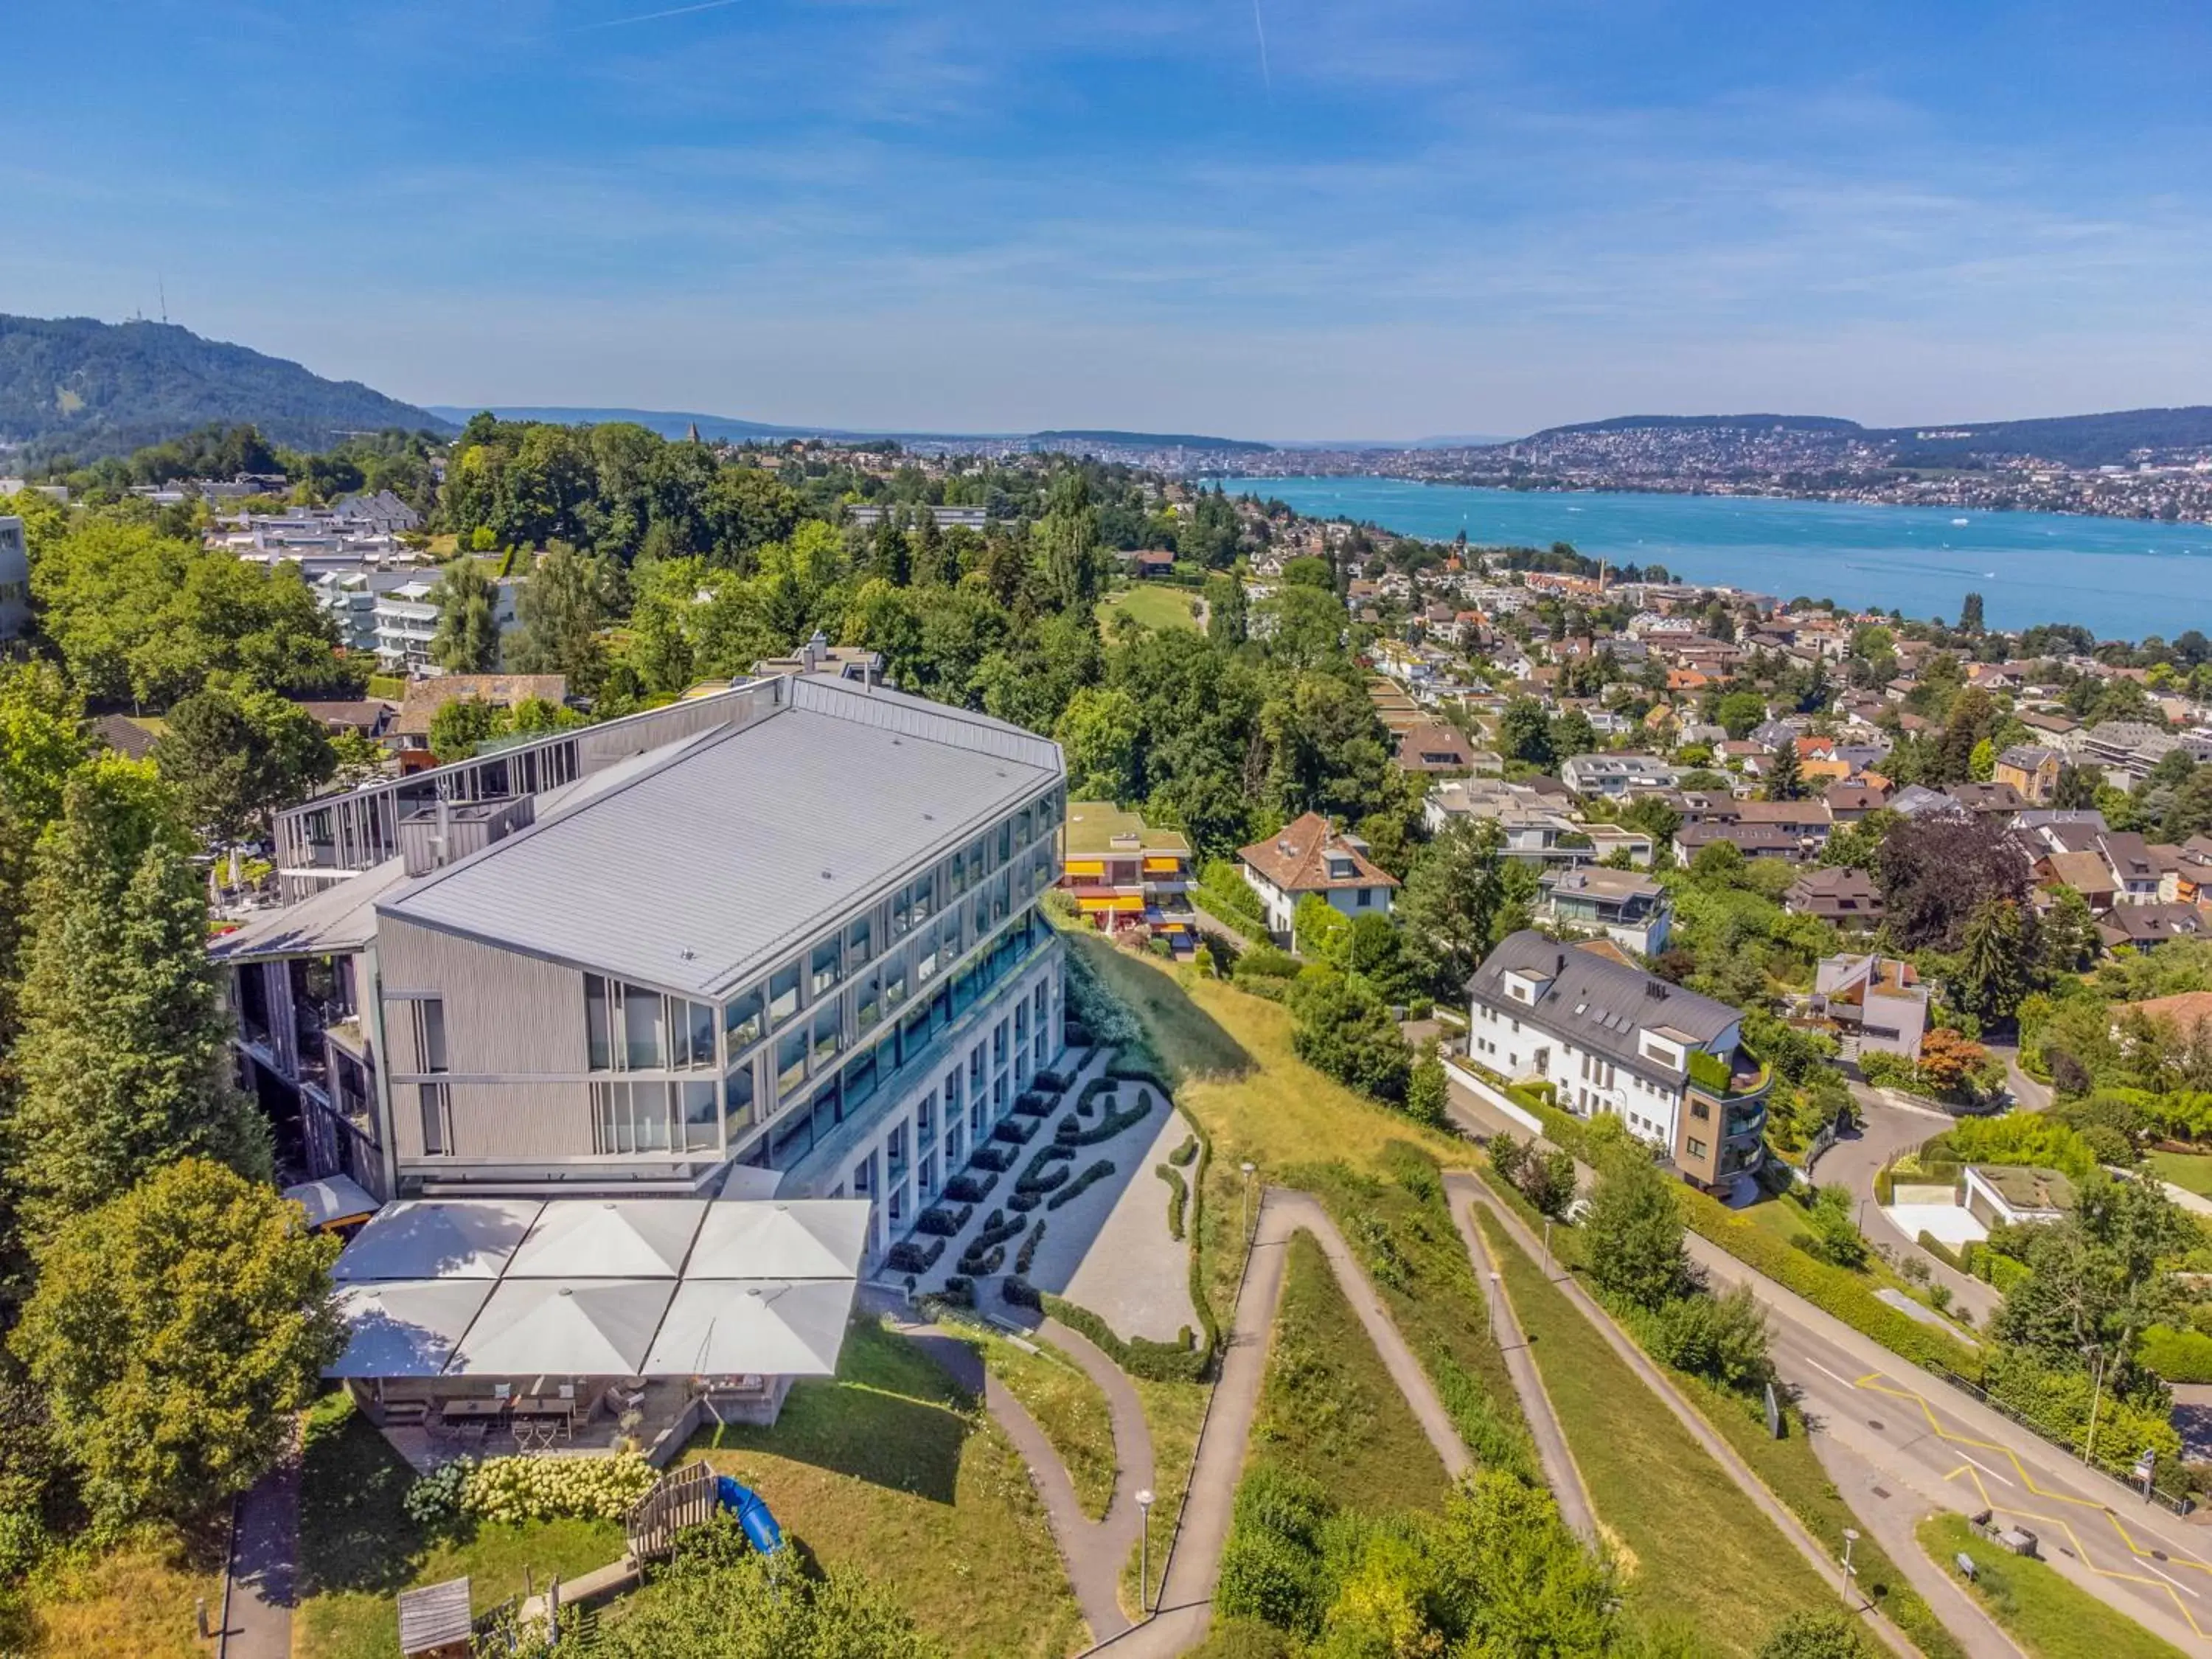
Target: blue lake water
pixel 2120 577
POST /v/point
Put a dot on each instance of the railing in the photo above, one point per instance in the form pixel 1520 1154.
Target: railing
pixel 2180 1503
pixel 681 1497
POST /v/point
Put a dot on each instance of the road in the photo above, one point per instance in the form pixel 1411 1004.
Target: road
pixel 1922 1436
pixel 1945 1448
pixel 1885 1131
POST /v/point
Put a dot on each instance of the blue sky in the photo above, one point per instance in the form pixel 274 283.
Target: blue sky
pixel 1399 218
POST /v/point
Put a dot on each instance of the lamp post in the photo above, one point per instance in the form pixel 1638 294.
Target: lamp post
pixel 1497 1281
pixel 1851 1537
pixel 1144 1550
pixel 1249 1168
pixel 1547 1246
pixel 2096 1395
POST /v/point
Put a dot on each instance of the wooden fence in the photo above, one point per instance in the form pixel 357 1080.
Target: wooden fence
pixel 681 1497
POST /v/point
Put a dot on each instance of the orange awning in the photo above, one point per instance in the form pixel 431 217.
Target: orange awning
pixel 1086 867
pixel 1162 866
pixel 1115 903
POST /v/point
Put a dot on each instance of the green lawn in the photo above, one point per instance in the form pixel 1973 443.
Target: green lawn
pixel 892 1470
pixel 1175 1412
pixel 1154 606
pixel 2049 1616
pixel 358 1549
pixel 1694 1546
pixel 1328 1409
pixel 1069 1407
pixel 2191 1171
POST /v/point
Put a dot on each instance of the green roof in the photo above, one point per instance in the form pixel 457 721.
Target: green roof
pixel 2026 1187
pixel 1093 826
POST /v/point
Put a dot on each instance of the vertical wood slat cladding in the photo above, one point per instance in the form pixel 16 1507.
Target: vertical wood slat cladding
pixel 506 1014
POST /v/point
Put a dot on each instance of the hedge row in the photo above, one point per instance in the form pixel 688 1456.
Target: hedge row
pixel 1028 1252
pixel 908 1257
pixel 944 1221
pixel 1835 1290
pixel 1072 1133
pixel 1014 1131
pixel 1082 1184
pixel 970 1188
pixel 997 1159
pixel 1156 1362
pixel 1182 1156
pixel 1178 1195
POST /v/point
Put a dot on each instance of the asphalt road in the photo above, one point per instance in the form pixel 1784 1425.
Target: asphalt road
pixel 1885 1131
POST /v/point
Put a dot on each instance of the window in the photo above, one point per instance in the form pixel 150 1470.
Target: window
pixel 437 1119
pixel 702 1132
pixel 634 1117
pixel 859 941
pixel 1366 898
pixel 1699 1110
pixel 738 1098
pixel 429 1034
pixel 925 1119
pixel 868 1003
pixel 893 973
pixel 698 1026
pixel 828 1033
pixel 860 1079
pixel 791 1060
pixel 599 1025
pixel 783 994
pixel 745 1020
pixel 1696 1149
pixel 641 1013
pixel 827 967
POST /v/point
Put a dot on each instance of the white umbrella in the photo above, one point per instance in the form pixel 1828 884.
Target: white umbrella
pixel 405 1328
pixel 609 1238
pixel 771 1327
pixel 583 1327
pixel 438 1238
pixel 334 1198
pixel 811 1238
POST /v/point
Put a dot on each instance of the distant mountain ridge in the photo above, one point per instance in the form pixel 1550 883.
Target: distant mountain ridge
pixel 78 386
pixel 677 423
pixel 2100 440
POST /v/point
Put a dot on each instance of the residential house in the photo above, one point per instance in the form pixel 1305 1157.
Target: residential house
pixel 1616 775
pixel 1754 840
pixel 1430 747
pixel 1879 1004
pixel 1849 801
pixel 1310 857
pixel 1124 873
pixel 1998 799
pixel 2016 1194
pixel 1150 561
pixel 409 731
pixel 2031 770
pixel 2145 926
pixel 1611 1038
pixel 405 619
pixel 1633 911
pixel 1846 898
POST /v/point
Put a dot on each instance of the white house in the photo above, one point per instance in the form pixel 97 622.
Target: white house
pixel 1308 857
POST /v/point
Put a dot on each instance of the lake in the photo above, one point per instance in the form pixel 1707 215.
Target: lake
pixel 2119 578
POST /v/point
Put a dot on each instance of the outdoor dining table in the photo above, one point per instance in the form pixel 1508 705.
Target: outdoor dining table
pixel 453 1409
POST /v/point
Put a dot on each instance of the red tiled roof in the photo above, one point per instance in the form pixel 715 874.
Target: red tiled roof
pixel 1295 862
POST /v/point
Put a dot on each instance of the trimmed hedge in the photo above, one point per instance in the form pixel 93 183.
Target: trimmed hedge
pixel 1942 1252
pixel 1156 1362
pixel 1020 1293
pixel 1051 1078
pixel 941 1222
pixel 1182 1156
pixel 2178 1356
pixel 1028 1252
pixel 908 1257
pixel 1178 1195
pixel 995 1230
pixel 1013 1131
pixel 1835 1290
pixel 996 1159
pixel 1087 1101
pixel 1114 1123
pixel 1082 1184
pixel 980 1262
pixel 1032 1102
pixel 967 1188
pixel 1023 1203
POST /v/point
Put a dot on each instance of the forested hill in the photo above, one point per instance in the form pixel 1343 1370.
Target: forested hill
pixel 2106 440
pixel 77 386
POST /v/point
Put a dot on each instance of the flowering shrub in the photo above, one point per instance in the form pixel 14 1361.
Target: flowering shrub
pixel 529 1489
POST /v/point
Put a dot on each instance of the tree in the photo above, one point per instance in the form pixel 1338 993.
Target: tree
pixel 467 640
pixel 719 1599
pixel 232 760
pixel 1950 1065
pixel 1373 950
pixel 1099 730
pixel 1523 734
pixel 1935 870
pixel 1428 1091
pixel 1449 906
pixel 458 726
pixel 124 1055
pixel 1632 1236
pixel 1319 931
pixel 1739 712
pixel 1067 543
pixel 564 605
pixel 1970 614
pixel 1512 1580
pixel 1572 734
pixel 1785 780
pixel 1996 960
pixel 2099 1277
pixel 1339 1027
pixel 175 1329
pixel 1806 1635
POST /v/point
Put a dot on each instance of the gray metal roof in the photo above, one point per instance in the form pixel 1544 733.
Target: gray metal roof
pixel 340 920
pixel 1596 1003
pixel 693 874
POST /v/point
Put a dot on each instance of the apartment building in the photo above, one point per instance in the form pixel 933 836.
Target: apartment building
pixel 1633 911
pixel 796 936
pixel 1124 873
pixel 404 620
pixel 1609 1037
pixel 1616 775
pixel 14 578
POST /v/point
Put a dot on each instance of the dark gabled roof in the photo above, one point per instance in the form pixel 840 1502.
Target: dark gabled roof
pixel 1596 1004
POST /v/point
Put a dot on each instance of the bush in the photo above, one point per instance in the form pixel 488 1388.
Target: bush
pixel 1114 1123
pixel 1020 1293
pixel 997 1159
pixel 1887 1071
pixel 1155 1362
pixel 981 1261
pixel 908 1257
pixel 1028 1253
pixel 1032 1102
pixel 1182 1156
pixel 2177 1356
pixel 1178 1195
pixel 1051 1081
pixel 996 1230
pixel 1942 1252
pixel 968 1189
pixel 22 1542
pixel 1013 1131
pixel 1082 1184
pixel 1087 1101
pixel 940 1222
pixel 529 1489
pixel 959 1292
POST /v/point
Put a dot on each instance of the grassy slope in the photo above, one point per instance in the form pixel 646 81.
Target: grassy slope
pixel 135 1598
pixel 892 1470
pixel 358 1548
pixel 1069 1407
pixel 1328 1408
pixel 2189 1171
pixel 2050 1617
pixel 1175 1412
pixel 1154 606
pixel 1700 1551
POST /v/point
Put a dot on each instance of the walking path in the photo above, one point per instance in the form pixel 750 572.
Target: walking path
pixel 264 1567
pixel 1554 1455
